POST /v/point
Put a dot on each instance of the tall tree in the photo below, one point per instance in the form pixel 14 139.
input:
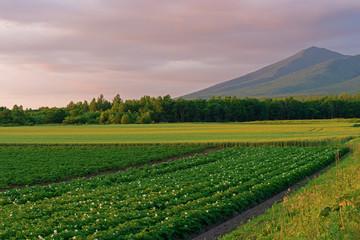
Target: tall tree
pixel 18 115
pixel 93 106
pixel 5 116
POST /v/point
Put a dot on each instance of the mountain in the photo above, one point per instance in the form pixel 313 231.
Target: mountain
pixel 310 71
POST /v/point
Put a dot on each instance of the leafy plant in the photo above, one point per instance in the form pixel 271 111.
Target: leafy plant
pixel 164 201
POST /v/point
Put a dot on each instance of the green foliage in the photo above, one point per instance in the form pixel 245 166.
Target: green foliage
pixel 125 119
pixel 93 106
pixel 86 118
pixel 18 115
pixel 164 201
pixel 144 118
pixel 55 115
pixel 30 164
pixel 115 118
pixel 164 109
pixel 328 207
pixel 5 116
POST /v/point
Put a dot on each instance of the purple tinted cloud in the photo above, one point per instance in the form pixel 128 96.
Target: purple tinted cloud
pixel 52 52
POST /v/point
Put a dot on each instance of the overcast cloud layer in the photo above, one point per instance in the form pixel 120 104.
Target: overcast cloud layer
pixel 55 51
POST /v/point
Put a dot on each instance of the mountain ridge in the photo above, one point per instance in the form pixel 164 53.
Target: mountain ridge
pixel 273 80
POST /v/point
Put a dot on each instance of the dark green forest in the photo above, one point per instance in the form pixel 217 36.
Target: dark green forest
pixel 168 110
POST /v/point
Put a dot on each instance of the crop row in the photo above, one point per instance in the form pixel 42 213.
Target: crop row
pixel 28 164
pixel 31 164
pixel 303 141
pixel 163 201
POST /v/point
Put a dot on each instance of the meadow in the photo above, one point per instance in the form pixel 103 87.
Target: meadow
pixel 266 131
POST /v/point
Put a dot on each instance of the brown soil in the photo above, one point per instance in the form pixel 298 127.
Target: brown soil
pixel 114 170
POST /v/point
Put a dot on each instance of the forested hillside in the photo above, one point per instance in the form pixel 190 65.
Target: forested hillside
pixel 165 109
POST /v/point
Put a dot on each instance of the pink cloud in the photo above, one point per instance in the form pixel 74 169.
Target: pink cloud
pixel 79 49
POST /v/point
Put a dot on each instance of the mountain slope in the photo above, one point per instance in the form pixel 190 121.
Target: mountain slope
pixel 285 77
pixel 334 76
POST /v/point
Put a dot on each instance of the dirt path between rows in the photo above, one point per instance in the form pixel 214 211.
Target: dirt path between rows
pixel 217 230
pixel 114 170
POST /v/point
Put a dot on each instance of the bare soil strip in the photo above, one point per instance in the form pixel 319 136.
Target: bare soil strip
pixel 114 170
pixel 217 230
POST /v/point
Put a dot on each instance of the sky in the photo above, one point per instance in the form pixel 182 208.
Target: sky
pixel 56 51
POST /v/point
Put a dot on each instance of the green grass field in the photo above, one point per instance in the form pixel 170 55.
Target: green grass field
pixel 188 132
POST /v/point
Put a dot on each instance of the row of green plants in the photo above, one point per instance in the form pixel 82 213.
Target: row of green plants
pixel 328 207
pixel 27 164
pixel 300 142
pixel 165 201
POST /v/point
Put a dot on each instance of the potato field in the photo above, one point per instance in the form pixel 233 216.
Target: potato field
pixel 31 164
pixel 168 200
pixel 160 181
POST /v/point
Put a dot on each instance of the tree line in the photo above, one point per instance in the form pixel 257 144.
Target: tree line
pixel 165 109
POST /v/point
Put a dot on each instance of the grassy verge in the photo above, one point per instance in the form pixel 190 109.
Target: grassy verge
pixel 327 208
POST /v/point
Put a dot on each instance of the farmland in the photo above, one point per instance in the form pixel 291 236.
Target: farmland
pixel 188 132
pixel 327 208
pixel 30 164
pixel 166 200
